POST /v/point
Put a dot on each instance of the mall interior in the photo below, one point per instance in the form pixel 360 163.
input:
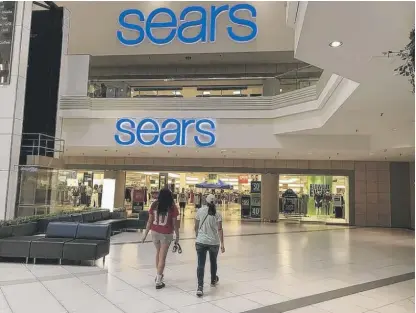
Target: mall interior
pixel 298 116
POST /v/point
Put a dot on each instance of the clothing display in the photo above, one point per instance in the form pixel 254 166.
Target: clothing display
pixel 289 201
pixel 339 206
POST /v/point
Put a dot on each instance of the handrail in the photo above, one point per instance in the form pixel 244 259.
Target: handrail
pixel 213 103
pixel 42 145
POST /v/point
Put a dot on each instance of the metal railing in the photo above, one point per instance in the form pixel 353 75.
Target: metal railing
pixel 41 144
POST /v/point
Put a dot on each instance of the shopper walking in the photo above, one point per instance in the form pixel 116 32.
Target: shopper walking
pixel 163 221
pixel 209 237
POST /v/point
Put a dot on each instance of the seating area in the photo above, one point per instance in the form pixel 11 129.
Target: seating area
pixel 81 236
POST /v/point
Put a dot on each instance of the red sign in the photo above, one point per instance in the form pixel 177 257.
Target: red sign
pixel 243 179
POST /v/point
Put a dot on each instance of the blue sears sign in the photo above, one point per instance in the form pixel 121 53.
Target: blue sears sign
pixel 170 132
pixel 191 17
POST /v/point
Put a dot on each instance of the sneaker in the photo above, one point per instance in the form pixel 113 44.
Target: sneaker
pixel 160 285
pixel 200 291
pixel 215 281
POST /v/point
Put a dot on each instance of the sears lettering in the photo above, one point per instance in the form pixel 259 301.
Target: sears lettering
pixel 169 133
pixel 191 17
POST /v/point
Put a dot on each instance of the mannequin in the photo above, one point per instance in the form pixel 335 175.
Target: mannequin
pixel 100 195
pixel 318 202
pixel 89 195
pixel 94 197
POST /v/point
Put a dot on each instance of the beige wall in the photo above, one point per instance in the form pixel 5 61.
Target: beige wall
pixel 370 186
pixel 99 37
pixel 372 194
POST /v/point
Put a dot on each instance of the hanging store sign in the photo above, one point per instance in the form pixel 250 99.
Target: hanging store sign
pixel 255 206
pixel 255 187
pixel 318 189
pixel 243 179
pixel 245 205
pixel 169 133
pixel 7 22
pixel 192 25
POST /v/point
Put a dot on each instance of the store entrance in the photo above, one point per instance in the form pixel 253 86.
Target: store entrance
pixel 233 191
pixel 314 198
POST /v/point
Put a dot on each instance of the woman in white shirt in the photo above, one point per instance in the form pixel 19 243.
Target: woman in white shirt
pixel 209 237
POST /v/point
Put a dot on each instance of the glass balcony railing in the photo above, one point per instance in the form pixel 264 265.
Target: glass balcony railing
pixel 198 89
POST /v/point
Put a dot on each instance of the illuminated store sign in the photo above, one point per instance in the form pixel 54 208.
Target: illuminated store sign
pixel 169 133
pixel 178 27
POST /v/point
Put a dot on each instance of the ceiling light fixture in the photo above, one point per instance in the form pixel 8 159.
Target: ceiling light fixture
pixel 394 129
pixel 335 44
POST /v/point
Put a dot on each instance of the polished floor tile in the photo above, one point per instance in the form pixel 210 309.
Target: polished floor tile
pixel 265 265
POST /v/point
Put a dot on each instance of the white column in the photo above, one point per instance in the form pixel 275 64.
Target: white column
pixel 12 99
pixel 62 77
pixel 120 185
pixel 269 197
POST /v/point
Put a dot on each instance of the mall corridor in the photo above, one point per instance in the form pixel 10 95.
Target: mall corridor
pixel 266 268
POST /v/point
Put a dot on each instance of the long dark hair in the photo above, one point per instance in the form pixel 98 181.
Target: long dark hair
pixel 164 201
pixel 212 208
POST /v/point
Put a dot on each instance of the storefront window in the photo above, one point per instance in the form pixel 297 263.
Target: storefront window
pixel 45 191
pixel 314 197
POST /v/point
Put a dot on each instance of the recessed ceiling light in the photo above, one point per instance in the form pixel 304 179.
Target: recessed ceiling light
pixel 394 129
pixel 309 152
pixel 335 44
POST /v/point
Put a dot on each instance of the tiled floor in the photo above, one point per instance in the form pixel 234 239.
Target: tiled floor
pixel 256 272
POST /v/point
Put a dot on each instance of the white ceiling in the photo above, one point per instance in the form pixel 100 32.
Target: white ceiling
pixel 382 107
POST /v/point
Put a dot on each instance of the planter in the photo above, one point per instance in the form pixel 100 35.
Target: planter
pixel 6 231
pixel 77 218
pixel 65 218
pixel 118 215
pixel 26 229
pixel 43 224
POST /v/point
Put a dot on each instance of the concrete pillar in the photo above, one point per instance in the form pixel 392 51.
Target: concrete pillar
pixel 12 99
pixel 269 197
pixel 63 80
pixel 120 186
pixel 271 87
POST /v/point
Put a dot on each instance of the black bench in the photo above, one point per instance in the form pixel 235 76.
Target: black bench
pixel 133 223
pixel 52 245
pixel 92 242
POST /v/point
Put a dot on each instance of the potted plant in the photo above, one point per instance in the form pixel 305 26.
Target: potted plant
pixel 23 226
pixel 119 213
